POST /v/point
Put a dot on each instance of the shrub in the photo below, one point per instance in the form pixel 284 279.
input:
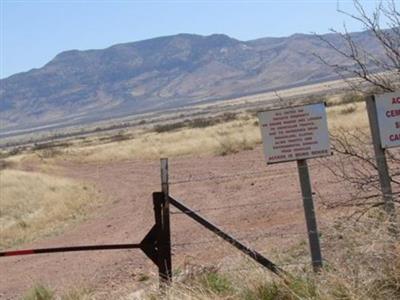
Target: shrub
pixel 120 136
pixel 347 98
pixel 169 127
pixel 352 98
pixel 216 283
pixel 348 109
pixel 49 153
pixel 196 123
pixel 5 164
pixel 39 292
pixel 226 145
pixel 202 123
pixel 78 294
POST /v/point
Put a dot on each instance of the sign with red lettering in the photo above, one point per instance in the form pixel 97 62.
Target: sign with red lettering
pixel 388 110
pixel 295 133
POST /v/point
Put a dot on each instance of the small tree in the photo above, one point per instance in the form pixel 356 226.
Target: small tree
pixel 354 163
pixel 380 71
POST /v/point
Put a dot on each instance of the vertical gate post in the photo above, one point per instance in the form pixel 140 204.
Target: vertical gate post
pixel 313 236
pixel 165 262
pixel 383 170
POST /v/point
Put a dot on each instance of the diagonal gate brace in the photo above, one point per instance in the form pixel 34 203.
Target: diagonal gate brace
pixel 228 238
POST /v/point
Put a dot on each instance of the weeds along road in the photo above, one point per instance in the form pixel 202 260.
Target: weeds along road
pixel 259 204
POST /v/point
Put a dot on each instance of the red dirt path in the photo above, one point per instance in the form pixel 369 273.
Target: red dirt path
pixel 128 215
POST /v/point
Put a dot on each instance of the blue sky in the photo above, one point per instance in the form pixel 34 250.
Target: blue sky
pixel 32 32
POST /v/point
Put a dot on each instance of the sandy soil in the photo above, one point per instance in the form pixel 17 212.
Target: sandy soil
pixel 128 215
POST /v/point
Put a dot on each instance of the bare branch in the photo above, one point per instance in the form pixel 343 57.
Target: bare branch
pixel 381 71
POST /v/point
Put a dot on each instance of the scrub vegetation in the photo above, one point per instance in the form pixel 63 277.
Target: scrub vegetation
pixel 220 135
pixel 362 262
pixel 34 204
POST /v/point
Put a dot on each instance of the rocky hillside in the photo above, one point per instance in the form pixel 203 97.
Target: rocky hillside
pixel 82 86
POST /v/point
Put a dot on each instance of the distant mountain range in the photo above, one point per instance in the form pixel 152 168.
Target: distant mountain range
pixel 155 74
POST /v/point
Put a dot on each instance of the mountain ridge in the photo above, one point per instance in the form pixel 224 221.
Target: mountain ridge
pixel 164 72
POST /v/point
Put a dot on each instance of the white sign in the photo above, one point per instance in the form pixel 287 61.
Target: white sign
pixel 388 110
pixel 295 133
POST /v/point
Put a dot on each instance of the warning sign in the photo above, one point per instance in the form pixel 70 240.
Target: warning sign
pixel 295 133
pixel 388 111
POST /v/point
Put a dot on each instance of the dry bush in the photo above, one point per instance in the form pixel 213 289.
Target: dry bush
pixel 118 137
pixel 169 126
pixel 49 153
pixel 338 119
pixel 43 292
pixel 80 293
pixel 12 152
pixel 230 144
pixel 354 166
pixel 6 164
pixel 347 98
pixel 35 205
pixel 348 109
pixel 196 123
pixel 39 292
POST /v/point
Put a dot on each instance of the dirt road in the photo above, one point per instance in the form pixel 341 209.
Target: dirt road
pixel 221 185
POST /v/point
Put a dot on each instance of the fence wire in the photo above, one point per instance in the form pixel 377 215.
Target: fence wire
pixel 236 206
pixel 228 177
pixel 248 237
pixel 244 237
pixel 318 197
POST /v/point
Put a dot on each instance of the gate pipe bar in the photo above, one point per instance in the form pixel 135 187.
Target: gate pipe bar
pixel 230 239
pixel 71 249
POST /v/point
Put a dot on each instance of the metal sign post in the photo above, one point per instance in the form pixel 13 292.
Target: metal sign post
pixel 308 204
pixel 383 136
pixel 298 133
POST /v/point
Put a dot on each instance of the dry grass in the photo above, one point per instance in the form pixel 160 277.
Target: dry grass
pixel 207 136
pixel 347 116
pixel 362 263
pixel 42 292
pixel 242 133
pixel 217 139
pixel 220 139
pixel 35 204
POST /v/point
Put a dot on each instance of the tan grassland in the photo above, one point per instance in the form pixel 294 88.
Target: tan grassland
pixel 35 204
pixel 239 134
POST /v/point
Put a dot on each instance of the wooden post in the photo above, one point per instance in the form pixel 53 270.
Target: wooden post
pixel 383 170
pixel 165 266
pixel 313 236
pixel 164 176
